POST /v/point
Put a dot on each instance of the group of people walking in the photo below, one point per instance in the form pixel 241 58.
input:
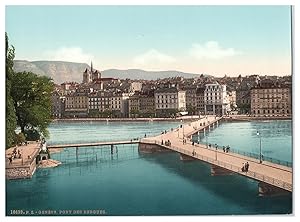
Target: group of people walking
pixel 245 167
pixel 15 154
pixel 167 143
pixel 226 149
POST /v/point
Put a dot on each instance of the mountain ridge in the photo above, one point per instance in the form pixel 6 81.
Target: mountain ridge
pixel 62 71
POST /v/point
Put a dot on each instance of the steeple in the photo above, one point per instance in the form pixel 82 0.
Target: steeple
pixel 91 67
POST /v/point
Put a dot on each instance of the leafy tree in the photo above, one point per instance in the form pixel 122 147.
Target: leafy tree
pixel 94 113
pixel 20 138
pixel 191 110
pixel 32 134
pixel 134 113
pixel 32 100
pixel 11 122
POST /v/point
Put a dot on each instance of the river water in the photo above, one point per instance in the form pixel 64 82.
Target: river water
pixel 131 183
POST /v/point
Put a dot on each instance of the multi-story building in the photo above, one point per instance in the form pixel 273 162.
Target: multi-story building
pixel 200 100
pixel 116 104
pixel 169 101
pixel 125 104
pixel 76 104
pixel 215 99
pixel 147 105
pixel 232 99
pixel 271 99
pixel 99 102
pixel 243 100
pixel 68 87
pixel 58 105
pixel 105 104
pixel 191 100
pixel 134 106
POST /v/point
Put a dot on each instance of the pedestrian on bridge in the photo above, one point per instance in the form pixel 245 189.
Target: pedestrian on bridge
pixel 243 167
pixel 247 166
pixel 227 148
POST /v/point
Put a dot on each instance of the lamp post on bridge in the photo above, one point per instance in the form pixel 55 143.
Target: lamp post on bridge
pixel 216 145
pixel 182 123
pixel 258 134
pixel 206 139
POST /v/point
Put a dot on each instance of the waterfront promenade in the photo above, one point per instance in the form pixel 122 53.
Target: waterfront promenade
pixel 22 166
pixel 28 153
pixel 270 173
pixel 139 119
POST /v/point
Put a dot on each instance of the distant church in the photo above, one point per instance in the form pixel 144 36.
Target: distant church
pixel 90 76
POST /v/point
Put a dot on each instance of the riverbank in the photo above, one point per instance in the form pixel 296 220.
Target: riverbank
pixel 185 118
pixel 20 161
pixel 254 118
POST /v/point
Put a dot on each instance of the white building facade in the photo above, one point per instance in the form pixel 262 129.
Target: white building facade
pixel 216 99
pixel 170 99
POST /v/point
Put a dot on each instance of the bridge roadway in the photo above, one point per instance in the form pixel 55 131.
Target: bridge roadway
pixel 74 145
pixel 270 173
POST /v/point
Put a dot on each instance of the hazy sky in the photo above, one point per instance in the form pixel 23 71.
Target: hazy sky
pixel 215 40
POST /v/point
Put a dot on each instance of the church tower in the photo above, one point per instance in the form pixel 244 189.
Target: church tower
pixel 86 76
pixel 91 75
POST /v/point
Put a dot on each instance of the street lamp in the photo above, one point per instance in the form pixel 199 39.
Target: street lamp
pixel 258 134
pixel 216 150
pixel 206 139
pixel 182 128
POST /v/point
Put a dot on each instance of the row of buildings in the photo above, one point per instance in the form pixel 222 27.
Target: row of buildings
pixel 108 97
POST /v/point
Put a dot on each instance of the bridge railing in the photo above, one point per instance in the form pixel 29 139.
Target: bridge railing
pixel 237 169
pixel 264 158
pixel 200 128
pixel 253 155
pixel 269 159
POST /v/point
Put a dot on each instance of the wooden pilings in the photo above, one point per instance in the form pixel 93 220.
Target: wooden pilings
pixel 76 154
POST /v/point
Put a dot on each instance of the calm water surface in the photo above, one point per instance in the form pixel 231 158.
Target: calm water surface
pixel 276 137
pixel 132 183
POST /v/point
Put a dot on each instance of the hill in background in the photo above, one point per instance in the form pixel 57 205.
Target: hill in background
pixel 61 71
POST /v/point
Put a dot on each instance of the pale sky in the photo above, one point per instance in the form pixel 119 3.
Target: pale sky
pixel 215 40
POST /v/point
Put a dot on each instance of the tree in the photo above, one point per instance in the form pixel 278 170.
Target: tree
pixel 11 122
pixel 191 110
pixel 20 138
pixel 32 100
